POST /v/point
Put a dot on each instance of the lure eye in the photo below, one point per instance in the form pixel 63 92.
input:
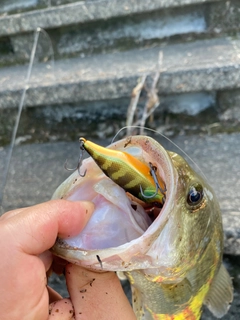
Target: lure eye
pixel 195 195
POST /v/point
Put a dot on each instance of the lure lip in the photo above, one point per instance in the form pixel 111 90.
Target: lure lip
pixel 131 255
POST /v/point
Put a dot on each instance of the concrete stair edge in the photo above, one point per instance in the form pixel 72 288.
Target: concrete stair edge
pixel 80 12
pixel 208 65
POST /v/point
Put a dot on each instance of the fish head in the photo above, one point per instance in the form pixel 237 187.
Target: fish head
pixel 193 227
pixel 123 236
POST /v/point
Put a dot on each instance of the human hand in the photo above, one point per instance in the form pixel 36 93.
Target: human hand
pixel 93 295
pixel 26 236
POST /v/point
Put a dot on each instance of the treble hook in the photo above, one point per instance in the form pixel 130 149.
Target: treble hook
pixel 81 147
pixel 153 170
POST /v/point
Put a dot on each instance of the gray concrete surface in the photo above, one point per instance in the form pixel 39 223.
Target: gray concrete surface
pixel 37 169
pixel 92 27
pixel 82 11
pixel 193 67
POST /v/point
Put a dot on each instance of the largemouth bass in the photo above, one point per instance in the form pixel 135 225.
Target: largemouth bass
pixel 170 253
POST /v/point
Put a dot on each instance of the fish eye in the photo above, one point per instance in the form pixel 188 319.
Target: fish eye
pixel 195 195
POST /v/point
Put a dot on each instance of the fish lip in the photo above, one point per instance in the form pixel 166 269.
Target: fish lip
pixel 131 255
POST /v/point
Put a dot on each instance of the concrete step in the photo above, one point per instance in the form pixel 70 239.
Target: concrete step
pixel 101 49
pixel 11 6
pixel 93 94
pixel 8 7
pixel 209 65
pixel 89 27
pixel 83 11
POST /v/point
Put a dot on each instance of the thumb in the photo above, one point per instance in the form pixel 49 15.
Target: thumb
pixel 96 295
pixel 44 222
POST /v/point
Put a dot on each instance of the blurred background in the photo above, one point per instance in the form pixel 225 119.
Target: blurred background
pixel 90 67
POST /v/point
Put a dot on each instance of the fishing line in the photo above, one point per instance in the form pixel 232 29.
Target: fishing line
pixel 168 139
pixel 20 107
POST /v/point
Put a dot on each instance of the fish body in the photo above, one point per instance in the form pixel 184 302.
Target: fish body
pixel 173 263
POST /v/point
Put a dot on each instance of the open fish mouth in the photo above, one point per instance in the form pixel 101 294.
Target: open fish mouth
pixel 123 231
pixel 170 251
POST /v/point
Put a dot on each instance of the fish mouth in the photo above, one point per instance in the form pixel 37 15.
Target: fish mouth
pixel 123 230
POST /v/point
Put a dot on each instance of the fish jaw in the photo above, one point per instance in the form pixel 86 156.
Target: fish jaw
pixel 133 253
pixel 161 247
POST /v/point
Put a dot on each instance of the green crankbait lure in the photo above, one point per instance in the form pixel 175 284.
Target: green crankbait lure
pixel 128 172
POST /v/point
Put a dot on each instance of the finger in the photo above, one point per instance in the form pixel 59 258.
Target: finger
pixel 44 222
pixel 47 259
pixel 53 295
pixel 102 291
pixel 11 214
pixel 61 310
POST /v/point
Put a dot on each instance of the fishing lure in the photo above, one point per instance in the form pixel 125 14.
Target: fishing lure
pixel 128 172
